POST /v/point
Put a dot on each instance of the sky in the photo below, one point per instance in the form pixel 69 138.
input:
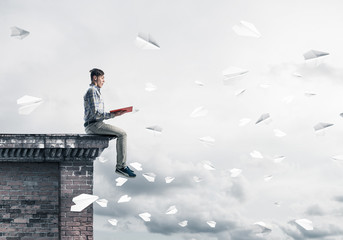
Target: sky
pixel 197 43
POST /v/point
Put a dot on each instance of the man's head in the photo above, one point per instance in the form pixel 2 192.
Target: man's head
pixel 97 77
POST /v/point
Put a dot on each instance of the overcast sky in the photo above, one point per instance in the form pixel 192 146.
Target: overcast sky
pixel 68 38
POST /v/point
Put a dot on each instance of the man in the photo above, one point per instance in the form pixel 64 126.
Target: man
pixel 95 115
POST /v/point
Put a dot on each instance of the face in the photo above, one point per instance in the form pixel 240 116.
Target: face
pixel 99 81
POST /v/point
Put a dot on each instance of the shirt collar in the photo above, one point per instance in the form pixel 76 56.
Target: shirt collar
pixel 93 85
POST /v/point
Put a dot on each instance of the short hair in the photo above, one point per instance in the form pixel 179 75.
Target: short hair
pixel 96 72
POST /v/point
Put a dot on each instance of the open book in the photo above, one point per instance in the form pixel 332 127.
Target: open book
pixel 126 109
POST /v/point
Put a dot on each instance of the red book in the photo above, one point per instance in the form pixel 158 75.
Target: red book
pixel 126 109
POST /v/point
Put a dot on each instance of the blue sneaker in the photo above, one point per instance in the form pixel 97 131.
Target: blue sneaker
pixel 127 172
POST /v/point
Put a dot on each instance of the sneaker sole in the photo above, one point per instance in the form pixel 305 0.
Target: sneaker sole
pixel 124 174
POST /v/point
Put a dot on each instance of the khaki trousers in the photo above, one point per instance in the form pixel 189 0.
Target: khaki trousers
pixel 102 128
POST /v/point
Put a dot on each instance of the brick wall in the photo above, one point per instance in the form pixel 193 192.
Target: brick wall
pixel 76 178
pixel 29 201
pixel 40 174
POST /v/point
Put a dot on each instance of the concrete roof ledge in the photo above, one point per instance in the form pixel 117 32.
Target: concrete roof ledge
pixel 51 147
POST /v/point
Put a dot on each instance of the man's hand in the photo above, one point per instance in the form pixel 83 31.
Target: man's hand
pixel 116 114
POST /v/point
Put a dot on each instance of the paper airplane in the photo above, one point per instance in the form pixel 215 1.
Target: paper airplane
pixel 28 104
pixel 309 94
pixel 279 159
pixel 297 74
pixel 267 178
pixel 212 224
pixel 145 216
pixel 137 166
pixel 312 54
pixel 120 181
pixel 321 126
pixel 239 92
pixel 124 198
pixel 171 210
pixel 19 33
pixel 263 117
pixel 150 176
pixel 82 201
pixel 155 128
pixel 341 114
pixel 199 112
pixel 279 133
pixel 197 179
pixel 264 228
pixel 102 159
pixel 246 29
pixel 208 166
pixel 150 87
pixel 305 223
pixel 102 202
pixel 233 72
pixel 113 221
pixel 207 140
pixel 235 172
pixel 277 204
pixel 183 223
pixel 244 121
pixel 146 42
pixel 256 154
pixel 169 179
pixel 199 83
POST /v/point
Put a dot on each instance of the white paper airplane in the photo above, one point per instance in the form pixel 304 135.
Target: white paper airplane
pixel 267 178
pixel 102 202
pixel 279 159
pixel 256 154
pixel 279 133
pixel 82 201
pixel 146 42
pixel 338 158
pixel 199 83
pixel 199 112
pixel 244 121
pixel 171 210
pixel 28 104
pixel 264 228
pixel 208 165
pixel 239 92
pixel 102 159
pixel 312 54
pixel 305 223
pixel 341 114
pixel 19 33
pixel 309 94
pixel 297 74
pixel 277 204
pixel 212 224
pixel 113 221
pixel 246 29
pixel 137 166
pixel 207 140
pixel 124 198
pixel 235 172
pixel 169 179
pixel 197 179
pixel 233 72
pixel 264 85
pixel 321 126
pixel 145 216
pixel 150 87
pixel 120 181
pixel 150 176
pixel 263 117
pixel 155 129
pixel 183 223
